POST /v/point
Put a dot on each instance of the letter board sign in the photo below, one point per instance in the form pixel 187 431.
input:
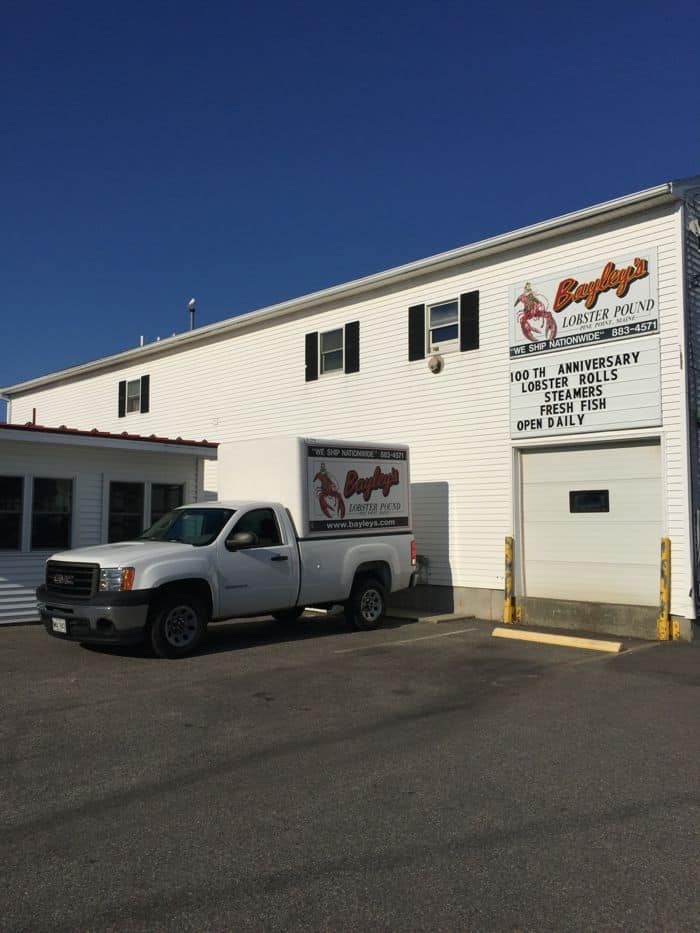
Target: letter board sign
pixel 603 389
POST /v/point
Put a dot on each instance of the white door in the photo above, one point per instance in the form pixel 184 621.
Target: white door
pixel 263 576
pixel 592 523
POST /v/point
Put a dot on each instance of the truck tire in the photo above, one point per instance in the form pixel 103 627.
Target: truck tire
pixel 285 616
pixel 178 626
pixel 367 604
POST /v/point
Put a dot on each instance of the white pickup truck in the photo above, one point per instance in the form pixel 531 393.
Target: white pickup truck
pixel 341 533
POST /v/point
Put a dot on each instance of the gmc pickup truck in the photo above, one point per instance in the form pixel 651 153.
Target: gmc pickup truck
pixel 240 558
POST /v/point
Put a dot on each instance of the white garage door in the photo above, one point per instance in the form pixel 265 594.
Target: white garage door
pixel 592 523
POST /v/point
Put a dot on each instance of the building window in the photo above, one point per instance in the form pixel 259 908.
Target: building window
pixel 333 351
pixel 134 395
pixel 52 514
pixel 125 511
pixel 443 324
pixel 11 501
pixel 331 347
pixel 164 498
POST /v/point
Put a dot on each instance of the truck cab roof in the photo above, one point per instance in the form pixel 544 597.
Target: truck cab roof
pixel 235 504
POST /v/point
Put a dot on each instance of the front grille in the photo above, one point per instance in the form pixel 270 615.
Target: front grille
pixel 77 581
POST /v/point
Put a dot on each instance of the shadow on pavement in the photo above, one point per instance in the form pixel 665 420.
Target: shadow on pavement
pixel 239 634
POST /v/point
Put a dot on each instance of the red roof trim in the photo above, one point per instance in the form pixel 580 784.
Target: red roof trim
pixel 124 436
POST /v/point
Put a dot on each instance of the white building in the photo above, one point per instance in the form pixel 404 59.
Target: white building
pixel 544 379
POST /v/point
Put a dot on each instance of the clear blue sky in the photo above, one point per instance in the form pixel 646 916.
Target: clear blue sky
pixel 247 153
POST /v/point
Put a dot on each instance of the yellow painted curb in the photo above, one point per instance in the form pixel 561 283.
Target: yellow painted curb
pixel 566 641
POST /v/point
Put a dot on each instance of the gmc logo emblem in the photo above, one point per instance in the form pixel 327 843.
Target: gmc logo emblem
pixel 63 579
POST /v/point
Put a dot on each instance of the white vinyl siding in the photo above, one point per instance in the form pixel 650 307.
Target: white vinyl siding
pixel 692 279
pixel 456 423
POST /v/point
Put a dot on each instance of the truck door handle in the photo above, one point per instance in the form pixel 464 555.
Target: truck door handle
pixel 279 557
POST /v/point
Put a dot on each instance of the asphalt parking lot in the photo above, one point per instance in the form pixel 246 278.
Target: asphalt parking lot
pixel 418 777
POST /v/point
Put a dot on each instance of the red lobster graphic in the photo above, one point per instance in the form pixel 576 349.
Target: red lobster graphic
pixel 535 309
pixel 328 494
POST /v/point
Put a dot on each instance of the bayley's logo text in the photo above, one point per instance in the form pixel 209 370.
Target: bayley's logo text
pixel 355 485
pixel 570 290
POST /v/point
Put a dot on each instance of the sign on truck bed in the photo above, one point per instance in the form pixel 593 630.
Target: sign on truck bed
pixel 352 488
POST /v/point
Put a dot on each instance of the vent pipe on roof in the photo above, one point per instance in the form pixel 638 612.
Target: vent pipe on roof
pixel 192 305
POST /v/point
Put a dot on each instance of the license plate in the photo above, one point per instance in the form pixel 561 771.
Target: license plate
pixel 59 625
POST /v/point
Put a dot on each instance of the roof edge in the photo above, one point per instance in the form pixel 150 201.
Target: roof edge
pixel 660 193
pixel 63 433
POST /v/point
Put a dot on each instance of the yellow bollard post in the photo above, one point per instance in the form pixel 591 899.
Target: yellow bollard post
pixel 663 623
pixel 508 601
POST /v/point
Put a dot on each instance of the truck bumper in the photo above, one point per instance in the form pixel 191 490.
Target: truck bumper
pixel 107 619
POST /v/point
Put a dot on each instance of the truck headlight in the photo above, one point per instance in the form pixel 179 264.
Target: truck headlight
pixel 117 578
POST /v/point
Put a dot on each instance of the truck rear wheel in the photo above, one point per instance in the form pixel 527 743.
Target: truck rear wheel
pixel 178 626
pixel 367 604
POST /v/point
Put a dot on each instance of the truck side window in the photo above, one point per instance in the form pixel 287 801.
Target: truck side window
pixel 260 522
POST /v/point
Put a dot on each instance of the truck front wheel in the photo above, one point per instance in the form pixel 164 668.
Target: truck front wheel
pixel 179 624
pixel 367 604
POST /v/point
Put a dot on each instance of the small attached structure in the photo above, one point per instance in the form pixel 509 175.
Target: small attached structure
pixel 62 488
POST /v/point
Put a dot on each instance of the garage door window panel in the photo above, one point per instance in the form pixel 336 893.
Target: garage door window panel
pixel 589 500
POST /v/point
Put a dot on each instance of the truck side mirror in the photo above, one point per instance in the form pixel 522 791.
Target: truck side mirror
pixel 240 540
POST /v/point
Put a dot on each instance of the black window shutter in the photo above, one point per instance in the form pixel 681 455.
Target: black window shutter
pixel 122 398
pixel 416 332
pixel 145 393
pixel 352 347
pixel 469 321
pixel 312 356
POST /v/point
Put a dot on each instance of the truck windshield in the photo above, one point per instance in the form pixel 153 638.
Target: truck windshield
pixel 194 526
